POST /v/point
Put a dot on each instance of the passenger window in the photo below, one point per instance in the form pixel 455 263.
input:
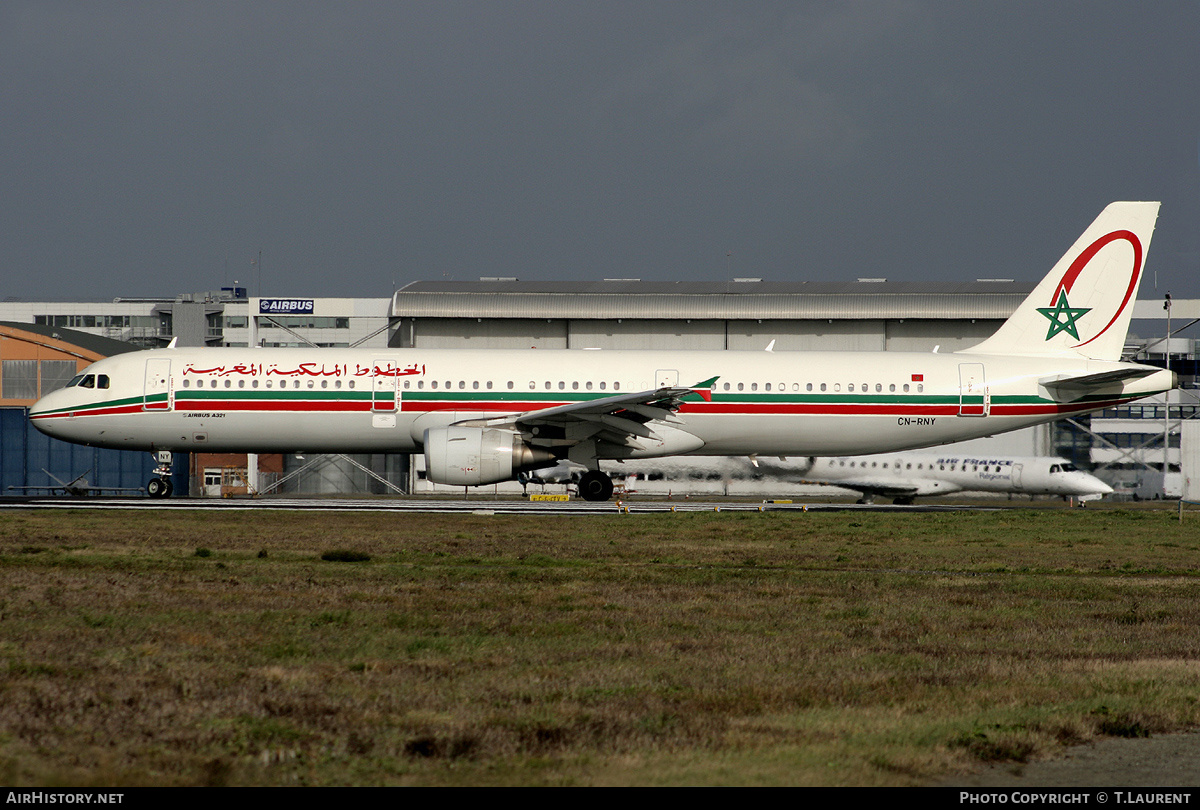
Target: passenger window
pixel 186 383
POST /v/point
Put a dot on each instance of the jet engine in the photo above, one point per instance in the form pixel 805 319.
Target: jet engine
pixel 471 456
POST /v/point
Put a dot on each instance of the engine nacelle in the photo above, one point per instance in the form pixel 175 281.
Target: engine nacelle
pixel 471 456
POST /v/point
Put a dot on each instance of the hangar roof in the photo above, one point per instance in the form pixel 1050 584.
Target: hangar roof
pixel 93 346
pixel 631 298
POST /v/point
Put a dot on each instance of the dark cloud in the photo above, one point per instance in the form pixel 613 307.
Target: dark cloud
pixel 155 148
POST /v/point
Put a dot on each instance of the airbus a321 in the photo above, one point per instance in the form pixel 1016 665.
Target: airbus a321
pixel 484 416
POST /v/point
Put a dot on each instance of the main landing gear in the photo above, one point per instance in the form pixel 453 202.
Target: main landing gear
pixel 595 485
pixel 160 485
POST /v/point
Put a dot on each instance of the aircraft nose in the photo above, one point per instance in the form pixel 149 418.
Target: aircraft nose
pixel 47 414
pixel 1095 485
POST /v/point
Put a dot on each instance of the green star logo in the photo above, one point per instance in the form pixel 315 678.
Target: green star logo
pixel 1063 316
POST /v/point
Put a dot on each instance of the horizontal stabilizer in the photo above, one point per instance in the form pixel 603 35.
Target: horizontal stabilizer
pixel 1069 388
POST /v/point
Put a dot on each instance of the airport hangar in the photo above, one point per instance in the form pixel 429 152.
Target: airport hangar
pixel 748 314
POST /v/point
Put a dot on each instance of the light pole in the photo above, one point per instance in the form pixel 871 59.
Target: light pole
pixel 1167 399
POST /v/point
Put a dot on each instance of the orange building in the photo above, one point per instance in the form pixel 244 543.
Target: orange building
pixel 35 360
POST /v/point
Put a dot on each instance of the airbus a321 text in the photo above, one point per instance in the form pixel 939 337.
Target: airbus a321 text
pixel 484 416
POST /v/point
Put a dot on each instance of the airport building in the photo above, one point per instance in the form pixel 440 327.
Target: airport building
pixel 1125 446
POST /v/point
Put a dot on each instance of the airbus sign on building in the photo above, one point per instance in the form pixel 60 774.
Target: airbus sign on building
pixel 285 306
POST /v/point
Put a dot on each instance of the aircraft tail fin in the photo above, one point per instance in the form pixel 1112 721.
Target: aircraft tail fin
pixel 1084 305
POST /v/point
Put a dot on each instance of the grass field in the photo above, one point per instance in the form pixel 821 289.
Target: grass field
pixel 183 648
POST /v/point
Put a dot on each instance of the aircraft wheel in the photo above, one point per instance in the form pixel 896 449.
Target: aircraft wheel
pixel 595 486
pixel 158 487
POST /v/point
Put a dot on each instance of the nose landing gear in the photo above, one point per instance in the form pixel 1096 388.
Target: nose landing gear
pixel 160 485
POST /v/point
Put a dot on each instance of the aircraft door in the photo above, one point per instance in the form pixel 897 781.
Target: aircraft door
pixel 666 378
pixel 383 386
pixel 1017 469
pixel 972 390
pixel 157 389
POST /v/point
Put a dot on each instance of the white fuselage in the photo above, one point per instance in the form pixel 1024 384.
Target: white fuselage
pixel 767 403
pixel 922 474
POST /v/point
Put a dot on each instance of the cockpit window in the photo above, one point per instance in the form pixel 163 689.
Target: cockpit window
pixel 1054 468
pixel 89 381
pixel 1069 468
pixel 102 381
pixel 78 378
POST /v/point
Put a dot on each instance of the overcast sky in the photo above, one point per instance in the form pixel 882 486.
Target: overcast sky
pixel 157 148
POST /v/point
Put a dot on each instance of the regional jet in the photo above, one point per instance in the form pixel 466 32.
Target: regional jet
pixel 485 416
pixel 905 476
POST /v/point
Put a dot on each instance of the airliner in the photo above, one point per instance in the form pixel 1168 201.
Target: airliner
pixel 906 476
pixel 485 416
pixel 901 476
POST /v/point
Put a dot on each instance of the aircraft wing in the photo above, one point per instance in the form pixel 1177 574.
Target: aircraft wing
pixel 891 487
pixel 870 487
pixel 644 421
